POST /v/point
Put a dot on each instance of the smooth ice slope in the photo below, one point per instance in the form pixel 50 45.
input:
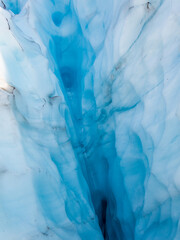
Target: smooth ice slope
pixel 89 120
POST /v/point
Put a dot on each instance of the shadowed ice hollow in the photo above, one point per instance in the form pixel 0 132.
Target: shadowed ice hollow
pixel 89 120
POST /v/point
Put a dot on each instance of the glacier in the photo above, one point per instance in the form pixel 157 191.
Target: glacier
pixel 89 120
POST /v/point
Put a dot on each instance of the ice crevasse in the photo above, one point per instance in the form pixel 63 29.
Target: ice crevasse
pixel 89 120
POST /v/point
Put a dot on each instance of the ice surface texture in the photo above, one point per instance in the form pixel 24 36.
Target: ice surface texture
pixel 89 120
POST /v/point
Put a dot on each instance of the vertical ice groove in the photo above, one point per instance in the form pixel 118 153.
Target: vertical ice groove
pixel 46 190
pixel 89 120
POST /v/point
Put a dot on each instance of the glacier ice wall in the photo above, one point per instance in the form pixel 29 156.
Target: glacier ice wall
pixel 89 119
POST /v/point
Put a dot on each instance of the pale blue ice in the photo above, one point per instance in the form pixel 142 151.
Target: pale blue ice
pixel 89 120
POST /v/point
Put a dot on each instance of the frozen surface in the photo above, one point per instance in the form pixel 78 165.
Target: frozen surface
pixel 89 120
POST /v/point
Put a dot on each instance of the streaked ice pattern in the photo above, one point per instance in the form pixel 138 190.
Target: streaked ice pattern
pixel 89 120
